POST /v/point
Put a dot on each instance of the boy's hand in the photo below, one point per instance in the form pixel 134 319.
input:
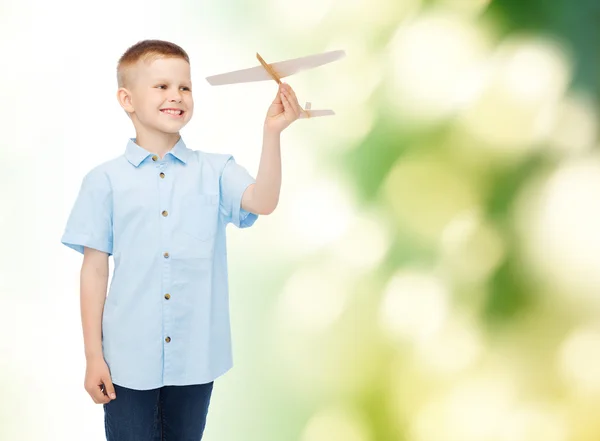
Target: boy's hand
pixel 98 382
pixel 284 109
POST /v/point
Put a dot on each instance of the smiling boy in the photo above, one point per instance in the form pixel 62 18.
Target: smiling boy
pixel 157 342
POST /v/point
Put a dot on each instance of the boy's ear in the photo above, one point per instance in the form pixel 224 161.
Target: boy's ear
pixel 124 98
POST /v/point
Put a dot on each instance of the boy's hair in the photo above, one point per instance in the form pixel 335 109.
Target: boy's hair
pixel 147 51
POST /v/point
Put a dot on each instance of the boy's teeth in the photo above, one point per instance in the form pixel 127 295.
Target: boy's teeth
pixel 173 112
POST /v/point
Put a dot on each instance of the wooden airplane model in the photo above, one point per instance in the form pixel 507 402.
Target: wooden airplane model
pixel 278 70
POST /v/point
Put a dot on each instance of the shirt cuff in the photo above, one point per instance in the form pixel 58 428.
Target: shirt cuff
pixel 78 241
pixel 239 217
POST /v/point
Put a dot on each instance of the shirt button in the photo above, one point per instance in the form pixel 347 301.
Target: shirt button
pixel 168 339
pixel 166 255
pixel 165 213
pixel 167 296
pixel 162 175
pixel 154 158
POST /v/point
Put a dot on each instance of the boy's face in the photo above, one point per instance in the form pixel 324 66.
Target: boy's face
pixel 164 83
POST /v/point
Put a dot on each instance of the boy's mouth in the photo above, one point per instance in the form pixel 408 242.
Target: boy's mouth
pixel 175 113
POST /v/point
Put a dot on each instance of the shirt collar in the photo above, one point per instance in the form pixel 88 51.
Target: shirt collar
pixel 136 154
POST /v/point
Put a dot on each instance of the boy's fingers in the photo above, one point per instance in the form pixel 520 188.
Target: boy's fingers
pixel 293 93
pixel 98 395
pixel 289 106
pixel 277 99
pixel 109 388
pixel 286 104
pixel 291 99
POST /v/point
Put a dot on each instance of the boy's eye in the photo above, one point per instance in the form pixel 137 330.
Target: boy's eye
pixel 184 88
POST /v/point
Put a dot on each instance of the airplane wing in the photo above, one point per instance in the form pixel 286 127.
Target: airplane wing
pixel 257 73
pixel 282 68
pixel 290 67
pixel 309 113
pixel 315 113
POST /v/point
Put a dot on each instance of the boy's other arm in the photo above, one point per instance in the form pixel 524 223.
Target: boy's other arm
pixel 94 281
pixel 93 285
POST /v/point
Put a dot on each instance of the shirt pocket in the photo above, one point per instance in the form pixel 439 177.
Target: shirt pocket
pixel 200 215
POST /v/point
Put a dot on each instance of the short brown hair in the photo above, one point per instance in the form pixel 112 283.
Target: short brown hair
pixel 147 50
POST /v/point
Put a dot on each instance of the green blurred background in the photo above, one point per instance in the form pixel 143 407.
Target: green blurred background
pixel 433 270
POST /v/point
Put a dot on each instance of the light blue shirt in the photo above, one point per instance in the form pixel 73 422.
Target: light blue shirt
pixel 166 317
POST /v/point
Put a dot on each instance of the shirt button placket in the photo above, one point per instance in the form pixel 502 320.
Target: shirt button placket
pixel 164 190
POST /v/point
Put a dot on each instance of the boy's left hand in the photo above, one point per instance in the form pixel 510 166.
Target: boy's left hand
pixel 284 109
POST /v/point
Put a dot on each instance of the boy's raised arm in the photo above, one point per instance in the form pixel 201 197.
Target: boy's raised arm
pixel 263 196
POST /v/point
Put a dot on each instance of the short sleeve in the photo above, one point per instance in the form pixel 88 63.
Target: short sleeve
pixel 234 181
pixel 90 222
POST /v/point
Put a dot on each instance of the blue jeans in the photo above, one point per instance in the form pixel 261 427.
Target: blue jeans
pixel 171 413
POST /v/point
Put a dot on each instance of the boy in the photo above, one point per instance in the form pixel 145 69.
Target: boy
pixel 155 345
